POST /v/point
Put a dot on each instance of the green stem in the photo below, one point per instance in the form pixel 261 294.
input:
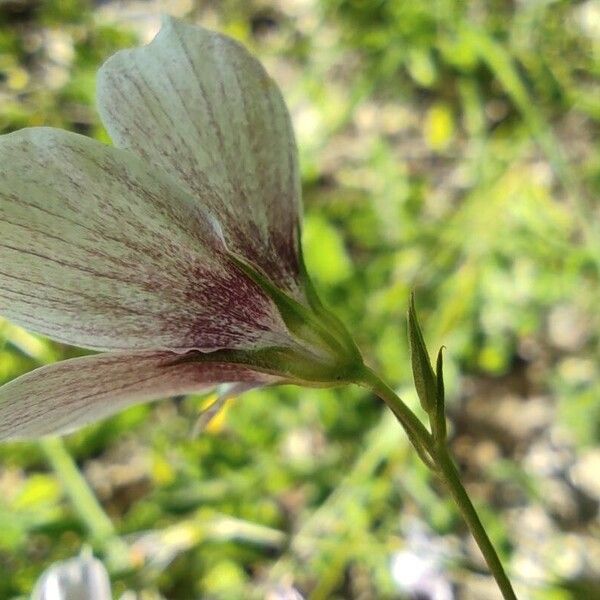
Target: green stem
pixel 420 438
pixel 438 458
pixel 87 507
pixel 449 474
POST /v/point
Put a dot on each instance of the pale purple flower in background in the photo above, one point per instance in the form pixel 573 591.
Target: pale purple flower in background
pixel 175 253
pixel 283 592
pixel 80 578
pixel 417 569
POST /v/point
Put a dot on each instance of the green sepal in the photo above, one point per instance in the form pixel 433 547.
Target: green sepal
pixel 314 327
pixel 299 319
pixel 291 366
pixel 315 302
pixel 425 380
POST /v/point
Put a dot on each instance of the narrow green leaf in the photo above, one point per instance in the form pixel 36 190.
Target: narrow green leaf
pixel 425 381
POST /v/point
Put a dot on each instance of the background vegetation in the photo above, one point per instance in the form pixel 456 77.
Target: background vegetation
pixel 446 146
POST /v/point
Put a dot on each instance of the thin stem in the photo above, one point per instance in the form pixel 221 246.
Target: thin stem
pixel 449 474
pixel 444 467
pixel 418 435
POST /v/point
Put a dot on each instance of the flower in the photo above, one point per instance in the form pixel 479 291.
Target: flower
pixel 74 579
pixel 175 253
pixel 417 570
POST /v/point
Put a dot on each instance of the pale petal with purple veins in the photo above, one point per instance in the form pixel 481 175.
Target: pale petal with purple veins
pixel 199 105
pixel 100 249
pixel 63 396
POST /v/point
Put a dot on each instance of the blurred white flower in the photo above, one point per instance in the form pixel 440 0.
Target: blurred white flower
pixel 417 569
pixel 81 578
pixel 283 591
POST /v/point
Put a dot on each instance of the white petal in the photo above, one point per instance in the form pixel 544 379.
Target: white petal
pixel 66 395
pixel 99 249
pixel 199 105
pixel 81 578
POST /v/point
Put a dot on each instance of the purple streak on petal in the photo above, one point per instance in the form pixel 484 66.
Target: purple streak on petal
pixel 61 397
pixel 100 250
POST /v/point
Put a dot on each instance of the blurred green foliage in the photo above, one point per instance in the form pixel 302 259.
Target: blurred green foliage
pixel 447 147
